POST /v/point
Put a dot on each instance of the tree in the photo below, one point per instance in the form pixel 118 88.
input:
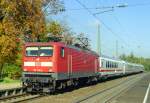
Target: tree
pixel 55 28
pixel 59 32
pixel 21 20
pixel 53 6
pixel 7 50
pixel 139 60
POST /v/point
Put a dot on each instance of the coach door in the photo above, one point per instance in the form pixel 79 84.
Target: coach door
pixel 69 65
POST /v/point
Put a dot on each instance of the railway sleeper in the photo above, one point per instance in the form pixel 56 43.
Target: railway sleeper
pixel 12 92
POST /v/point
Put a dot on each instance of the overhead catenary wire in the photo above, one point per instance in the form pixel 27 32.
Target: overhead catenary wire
pixel 140 4
pixel 107 7
pixel 124 30
pixel 98 8
pixel 104 7
pixel 107 27
pixel 120 24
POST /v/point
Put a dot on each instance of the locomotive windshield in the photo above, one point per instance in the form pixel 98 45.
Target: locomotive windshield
pixel 45 51
pixel 39 51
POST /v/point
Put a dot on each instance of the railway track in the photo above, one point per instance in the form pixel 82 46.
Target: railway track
pixel 106 95
pixel 18 98
pixel 16 95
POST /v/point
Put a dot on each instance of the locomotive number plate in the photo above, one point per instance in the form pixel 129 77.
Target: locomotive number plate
pixel 37 63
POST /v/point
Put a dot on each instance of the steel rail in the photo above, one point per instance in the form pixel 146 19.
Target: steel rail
pixel 16 95
pixel 19 98
pixel 12 92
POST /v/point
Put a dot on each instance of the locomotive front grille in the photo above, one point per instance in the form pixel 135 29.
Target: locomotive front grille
pixel 36 75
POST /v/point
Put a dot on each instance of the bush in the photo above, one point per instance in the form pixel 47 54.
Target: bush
pixel 12 71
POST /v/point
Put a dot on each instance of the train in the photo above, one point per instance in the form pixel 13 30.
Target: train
pixel 115 67
pixel 52 66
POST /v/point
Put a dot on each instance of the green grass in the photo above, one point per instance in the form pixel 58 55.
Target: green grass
pixel 8 80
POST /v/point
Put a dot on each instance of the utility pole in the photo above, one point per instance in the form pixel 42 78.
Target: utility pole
pixel 98 40
pixel 116 48
pixel 139 47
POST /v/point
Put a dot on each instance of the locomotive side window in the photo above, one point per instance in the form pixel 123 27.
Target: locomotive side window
pixel 62 52
pixel 32 51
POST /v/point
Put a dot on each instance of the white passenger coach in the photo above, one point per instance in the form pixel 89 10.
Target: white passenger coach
pixel 116 67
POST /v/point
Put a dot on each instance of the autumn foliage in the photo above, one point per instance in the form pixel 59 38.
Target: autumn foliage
pixel 22 21
pixel 19 19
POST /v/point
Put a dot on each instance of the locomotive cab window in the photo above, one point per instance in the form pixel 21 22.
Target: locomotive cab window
pixel 32 51
pixel 62 52
pixel 46 51
pixel 39 51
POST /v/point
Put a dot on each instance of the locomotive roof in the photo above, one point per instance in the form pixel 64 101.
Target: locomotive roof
pixel 43 43
pixel 59 44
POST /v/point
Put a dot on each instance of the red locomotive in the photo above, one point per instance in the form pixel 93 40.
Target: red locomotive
pixel 55 65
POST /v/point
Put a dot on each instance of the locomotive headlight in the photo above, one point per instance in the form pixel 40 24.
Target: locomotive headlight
pixel 50 69
pixel 25 69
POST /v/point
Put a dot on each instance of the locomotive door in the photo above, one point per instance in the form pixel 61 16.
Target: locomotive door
pixel 96 65
pixel 69 65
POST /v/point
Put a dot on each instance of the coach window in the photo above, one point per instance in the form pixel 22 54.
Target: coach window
pixel 62 52
pixel 116 65
pixel 112 64
pixel 106 64
pixel 102 65
pixel 109 64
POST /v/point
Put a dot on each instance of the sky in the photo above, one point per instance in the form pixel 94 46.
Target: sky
pixel 129 26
